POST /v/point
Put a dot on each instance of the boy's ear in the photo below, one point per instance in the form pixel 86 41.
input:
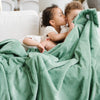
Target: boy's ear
pixel 52 22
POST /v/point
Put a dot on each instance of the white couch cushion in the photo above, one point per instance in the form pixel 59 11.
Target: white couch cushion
pixel 18 24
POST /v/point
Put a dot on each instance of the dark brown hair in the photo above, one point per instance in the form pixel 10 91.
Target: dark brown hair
pixel 47 15
pixel 72 6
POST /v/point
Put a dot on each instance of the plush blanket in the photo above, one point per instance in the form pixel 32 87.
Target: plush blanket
pixel 69 71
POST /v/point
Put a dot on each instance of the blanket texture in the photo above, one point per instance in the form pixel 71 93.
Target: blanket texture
pixel 69 71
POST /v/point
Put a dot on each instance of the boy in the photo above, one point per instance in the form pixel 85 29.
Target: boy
pixel 72 10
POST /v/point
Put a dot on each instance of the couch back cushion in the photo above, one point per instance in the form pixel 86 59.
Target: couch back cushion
pixel 17 24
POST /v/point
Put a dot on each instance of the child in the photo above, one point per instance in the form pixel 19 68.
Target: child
pixel 53 18
pixel 72 10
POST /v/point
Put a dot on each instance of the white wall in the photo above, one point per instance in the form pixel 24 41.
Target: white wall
pixel 45 3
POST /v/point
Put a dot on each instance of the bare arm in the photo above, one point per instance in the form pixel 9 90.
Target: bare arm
pixel 57 37
pixel 30 42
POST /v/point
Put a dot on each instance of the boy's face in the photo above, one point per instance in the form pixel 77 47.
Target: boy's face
pixel 70 17
pixel 59 17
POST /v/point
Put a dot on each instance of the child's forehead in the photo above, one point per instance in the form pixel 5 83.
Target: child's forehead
pixel 58 10
pixel 73 12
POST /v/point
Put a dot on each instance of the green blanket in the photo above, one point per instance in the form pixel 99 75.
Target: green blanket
pixel 70 71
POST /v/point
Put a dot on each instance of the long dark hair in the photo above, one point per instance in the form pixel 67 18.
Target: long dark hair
pixel 47 15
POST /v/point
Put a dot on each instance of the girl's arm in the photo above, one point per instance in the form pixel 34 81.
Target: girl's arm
pixel 61 36
pixel 57 37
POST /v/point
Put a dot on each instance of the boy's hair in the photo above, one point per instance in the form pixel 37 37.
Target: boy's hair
pixel 81 1
pixel 72 6
pixel 47 15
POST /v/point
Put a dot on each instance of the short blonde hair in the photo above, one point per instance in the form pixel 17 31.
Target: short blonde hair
pixel 72 6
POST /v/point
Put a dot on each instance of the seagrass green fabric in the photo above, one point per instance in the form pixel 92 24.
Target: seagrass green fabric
pixel 70 71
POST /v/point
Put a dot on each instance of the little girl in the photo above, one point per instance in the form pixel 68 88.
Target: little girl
pixel 52 18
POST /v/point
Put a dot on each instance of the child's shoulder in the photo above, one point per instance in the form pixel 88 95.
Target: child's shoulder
pixel 49 29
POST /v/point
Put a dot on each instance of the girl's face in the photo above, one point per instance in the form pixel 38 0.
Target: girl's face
pixel 70 17
pixel 58 17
